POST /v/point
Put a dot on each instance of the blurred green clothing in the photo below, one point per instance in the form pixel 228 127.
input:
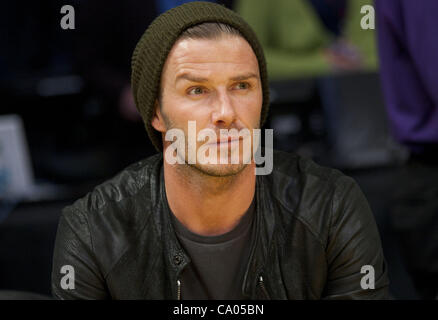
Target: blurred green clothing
pixel 294 38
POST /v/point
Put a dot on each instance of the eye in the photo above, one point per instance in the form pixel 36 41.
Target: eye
pixel 242 86
pixel 196 91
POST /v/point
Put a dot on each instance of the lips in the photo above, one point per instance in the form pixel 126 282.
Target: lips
pixel 228 140
pixel 225 141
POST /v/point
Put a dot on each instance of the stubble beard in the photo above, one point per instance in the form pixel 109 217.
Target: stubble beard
pixel 218 170
pixel 208 170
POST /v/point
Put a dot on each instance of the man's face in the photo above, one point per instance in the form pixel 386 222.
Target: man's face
pixel 215 83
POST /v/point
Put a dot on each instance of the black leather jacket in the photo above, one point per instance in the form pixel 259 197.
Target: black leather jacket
pixel 314 232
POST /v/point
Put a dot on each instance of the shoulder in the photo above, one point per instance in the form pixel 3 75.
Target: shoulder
pixel 309 192
pixel 299 173
pixel 111 216
pixel 140 177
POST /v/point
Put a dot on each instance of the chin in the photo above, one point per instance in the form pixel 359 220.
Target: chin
pixel 220 170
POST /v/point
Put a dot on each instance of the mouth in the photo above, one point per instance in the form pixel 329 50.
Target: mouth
pixel 227 141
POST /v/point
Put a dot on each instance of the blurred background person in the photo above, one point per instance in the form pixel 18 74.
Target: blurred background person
pixel 408 50
pixel 310 37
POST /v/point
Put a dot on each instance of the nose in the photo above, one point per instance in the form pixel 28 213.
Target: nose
pixel 224 113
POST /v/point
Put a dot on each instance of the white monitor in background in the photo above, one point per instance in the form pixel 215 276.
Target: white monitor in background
pixel 16 174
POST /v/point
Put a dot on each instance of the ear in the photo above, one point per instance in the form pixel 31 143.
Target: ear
pixel 157 120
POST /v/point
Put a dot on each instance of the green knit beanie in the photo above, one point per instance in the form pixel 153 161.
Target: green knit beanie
pixel 153 47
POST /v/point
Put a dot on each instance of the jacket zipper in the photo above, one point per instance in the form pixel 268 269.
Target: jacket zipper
pixel 261 284
pixel 178 290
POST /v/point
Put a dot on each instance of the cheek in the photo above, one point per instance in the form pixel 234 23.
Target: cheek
pixel 250 108
pixel 180 110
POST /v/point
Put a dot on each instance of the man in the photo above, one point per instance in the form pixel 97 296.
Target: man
pixel 212 230
pixel 409 74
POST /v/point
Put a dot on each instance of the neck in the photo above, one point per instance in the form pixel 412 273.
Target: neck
pixel 208 205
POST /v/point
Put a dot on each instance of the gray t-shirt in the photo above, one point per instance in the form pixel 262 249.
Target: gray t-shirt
pixel 218 262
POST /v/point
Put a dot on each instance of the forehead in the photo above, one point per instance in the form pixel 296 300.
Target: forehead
pixel 227 53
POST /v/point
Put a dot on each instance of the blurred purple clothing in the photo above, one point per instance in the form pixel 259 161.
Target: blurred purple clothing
pixel 408 49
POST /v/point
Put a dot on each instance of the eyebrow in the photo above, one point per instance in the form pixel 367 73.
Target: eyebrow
pixel 245 77
pixel 192 78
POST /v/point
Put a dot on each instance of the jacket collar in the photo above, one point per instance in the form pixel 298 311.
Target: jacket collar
pixel 262 237
pixel 175 256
